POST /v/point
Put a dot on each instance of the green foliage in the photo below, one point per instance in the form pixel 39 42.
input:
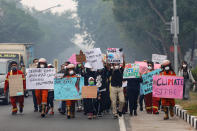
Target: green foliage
pixel 194 73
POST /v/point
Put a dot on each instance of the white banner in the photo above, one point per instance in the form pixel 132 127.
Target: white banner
pixel 94 58
pixel 158 58
pixel 114 55
pixel 40 78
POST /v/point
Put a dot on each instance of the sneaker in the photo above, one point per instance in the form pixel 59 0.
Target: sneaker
pixel 43 115
pixel 115 116
pixel 135 113
pixel 100 115
pixel 68 117
pixel 141 108
pixel 35 110
pixel 90 116
pixel 120 114
pixel 47 110
pixel 51 113
pixel 21 110
pixel 14 113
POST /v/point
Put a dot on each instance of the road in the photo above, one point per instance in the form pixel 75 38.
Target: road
pixel 30 121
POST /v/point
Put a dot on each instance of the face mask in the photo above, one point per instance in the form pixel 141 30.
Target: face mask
pixel 184 66
pixel 167 68
pixel 65 67
pixel 149 68
pixel 111 67
pixel 14 68
pixel 42 66
pixel 71 72
pixel 116 67
pixel 91 83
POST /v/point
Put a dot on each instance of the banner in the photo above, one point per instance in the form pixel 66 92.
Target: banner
pixel 40 78
pixel 147 83
pixel 158 58
pixel 89 91
pixel 168 86
pixel 94 58
pixel 143 66
pixel 68 88
pixel 16 85
pixel 114 55
pixel 131 71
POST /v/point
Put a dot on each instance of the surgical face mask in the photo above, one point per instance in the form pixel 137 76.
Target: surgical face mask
pixel 184 66
pixel 71 72
pixel 167 68
pixel 65 67
pixel 91 83
pixel 42 66
pixel 116 67
pixel 14 68
pixel 111 67
pixel 149 68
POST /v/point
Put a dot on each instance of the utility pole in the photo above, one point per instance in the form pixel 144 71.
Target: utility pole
pixel 175 39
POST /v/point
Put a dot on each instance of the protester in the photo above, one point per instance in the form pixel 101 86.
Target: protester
pixel 168 103
pixel 14 99
pixel 116 89
pixel 50 98
pixel 42 94
pixel 188 78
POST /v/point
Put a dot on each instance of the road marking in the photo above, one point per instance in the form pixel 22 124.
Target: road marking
pixel 122 123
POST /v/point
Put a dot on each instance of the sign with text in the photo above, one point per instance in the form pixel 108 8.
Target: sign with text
pixel 89 92
pixel 16 85
pixel 143 66
pixel 114 55
pixel 40 78
pixel 158 58
pixel 81 57
pixel 68 88
pixel 131 71
pixel 168 86
pixel 94 58
pixel 147 83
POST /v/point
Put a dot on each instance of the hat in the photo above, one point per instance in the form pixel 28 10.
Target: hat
pixel 70 66
pixel 166 62
pixel 42 60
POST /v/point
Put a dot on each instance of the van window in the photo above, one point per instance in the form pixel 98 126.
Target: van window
pixel 3 68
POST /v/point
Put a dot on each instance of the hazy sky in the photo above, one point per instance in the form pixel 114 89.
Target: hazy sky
pixel 44 4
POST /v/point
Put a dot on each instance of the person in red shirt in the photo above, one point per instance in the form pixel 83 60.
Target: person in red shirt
pixel 167 103
pixel 15 99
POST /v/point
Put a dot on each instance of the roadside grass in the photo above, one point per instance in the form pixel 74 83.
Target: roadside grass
pixel 189 105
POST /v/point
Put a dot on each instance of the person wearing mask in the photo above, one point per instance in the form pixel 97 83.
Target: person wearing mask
pixel 188 77
pixel 42 94
pixel 15 99
pixel 50 99
pixel 34 65
pixel 116 89
pixel 148 97
pixel 168 103
pixel 70 104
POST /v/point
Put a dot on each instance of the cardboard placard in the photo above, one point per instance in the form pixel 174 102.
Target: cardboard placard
pixel 156 58
pixel 168 86
pixel 81 57
pixel 89 91
pixel 131 71
pixel 114 55
pixel 16 85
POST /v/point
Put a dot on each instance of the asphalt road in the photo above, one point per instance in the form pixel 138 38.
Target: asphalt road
pixel 30 121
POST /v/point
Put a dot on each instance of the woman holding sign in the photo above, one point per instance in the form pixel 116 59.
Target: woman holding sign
pixel 168 103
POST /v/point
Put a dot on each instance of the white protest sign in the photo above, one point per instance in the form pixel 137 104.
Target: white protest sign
pixel 158 58
pixel 94 58
pixel 40 78
pixel 114 55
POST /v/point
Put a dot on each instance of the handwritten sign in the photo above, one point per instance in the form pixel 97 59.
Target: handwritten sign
pixel 131 71
pixel 16 85
pixel 94 58
pixel 168 86
pixel 89 92
pixel 40 78
pixel 72 59
pixel 158 58
pixel 143 66
pixel 147 83
pixel 115 55
pixel 68 88
pixel 81 57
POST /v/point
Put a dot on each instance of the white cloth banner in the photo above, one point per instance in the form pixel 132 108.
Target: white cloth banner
pixel 94 58
pixel 115 55
pixel 158 58
pixel 40 78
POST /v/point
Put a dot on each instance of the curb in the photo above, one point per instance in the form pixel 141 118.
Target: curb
pixel 192 120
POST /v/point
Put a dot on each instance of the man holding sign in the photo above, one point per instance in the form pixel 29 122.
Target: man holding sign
pixel 15 82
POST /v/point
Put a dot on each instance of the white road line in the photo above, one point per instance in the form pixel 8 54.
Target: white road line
pixel 122 123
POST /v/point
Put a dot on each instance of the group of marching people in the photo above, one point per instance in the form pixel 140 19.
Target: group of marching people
pixel 111 93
